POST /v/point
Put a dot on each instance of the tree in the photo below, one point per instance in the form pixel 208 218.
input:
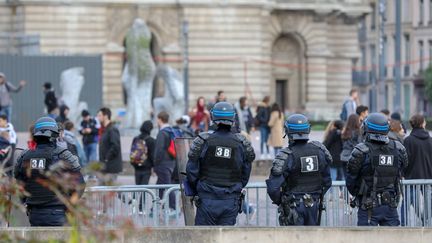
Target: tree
pixel 428 82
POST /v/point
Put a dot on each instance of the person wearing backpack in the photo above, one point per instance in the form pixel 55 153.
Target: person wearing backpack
pixel 350 105
pixel 164 154
pixel 141 154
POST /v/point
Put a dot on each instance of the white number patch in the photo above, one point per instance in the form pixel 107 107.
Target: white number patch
pixel 309 164
pixel 223 152
pixel 37 164
pixel 386 160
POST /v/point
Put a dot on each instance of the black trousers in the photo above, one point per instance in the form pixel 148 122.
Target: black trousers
pixel 142 177
pixel 47 216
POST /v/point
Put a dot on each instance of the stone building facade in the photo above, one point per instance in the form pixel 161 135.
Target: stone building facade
pixel 300 52
pixel 416 54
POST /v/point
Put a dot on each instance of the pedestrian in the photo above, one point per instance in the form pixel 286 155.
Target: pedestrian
pixel 244 115
pixel 89 130
pixel 218 169
pixel 350 105
pixel 418 146
pixel 276 124
pixel 200 116
pixel 300 176
pixel 67 143
pixel 31 143
pixel 396 131
pixel 261 120
pixel 63 116
pixel 397 117
pixel 6 126
pixel 182 124
pixel 69 135
pixel 35 167
pixel 110 154
pixel 374 172
pixel 362 111
pixel 5 98
pixel 164 156
pixel 142 153
pixel 50 100
pixel 6 165
pixel 350 138
pixel 220 97
pixel 386 112
pixel 333 142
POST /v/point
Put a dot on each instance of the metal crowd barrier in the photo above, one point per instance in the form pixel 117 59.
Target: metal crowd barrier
pixel 143 205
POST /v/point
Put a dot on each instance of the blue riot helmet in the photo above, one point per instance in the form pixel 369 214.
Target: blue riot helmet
pixel 223 113
pixel 376 127
pixel 297 127
pixel 46 127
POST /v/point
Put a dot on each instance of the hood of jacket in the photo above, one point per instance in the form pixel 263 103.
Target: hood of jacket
pixel 420 133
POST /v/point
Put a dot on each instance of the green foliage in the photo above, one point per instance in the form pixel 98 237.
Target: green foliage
pixel 318 125
pixel 428 82
pixel 80 211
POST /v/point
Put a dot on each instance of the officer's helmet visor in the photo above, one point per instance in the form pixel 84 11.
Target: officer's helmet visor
pixel 378 137
pixel 299 136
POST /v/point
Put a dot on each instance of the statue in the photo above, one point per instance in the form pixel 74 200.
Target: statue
pixel 138 74
pixel 173 100
pixel 71 83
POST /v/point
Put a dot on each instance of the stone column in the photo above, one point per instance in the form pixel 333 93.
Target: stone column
pixel 112 71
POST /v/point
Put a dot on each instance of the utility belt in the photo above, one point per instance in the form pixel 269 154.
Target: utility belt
pixel 390 199
pixel 293 200
pixel 288 214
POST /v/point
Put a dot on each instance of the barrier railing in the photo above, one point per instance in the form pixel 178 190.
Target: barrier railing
pixel 143 205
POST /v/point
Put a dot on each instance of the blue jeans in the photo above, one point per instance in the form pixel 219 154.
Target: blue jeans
pixel 383 215
pixel 217 211
pixel 164 175
pixel 264 131
pixel 91 152
pixel 7 110
pixel 337 173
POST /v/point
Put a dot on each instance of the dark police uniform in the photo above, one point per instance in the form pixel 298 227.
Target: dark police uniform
pixel 374 172
pixel 218 169
pixel 35 167
pixel 300 176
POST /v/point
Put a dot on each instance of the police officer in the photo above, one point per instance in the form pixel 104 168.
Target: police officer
pixel 218 169
pixel 49 162
pixel 374 172
pixel 300 175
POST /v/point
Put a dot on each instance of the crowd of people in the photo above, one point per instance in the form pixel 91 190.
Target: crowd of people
pixel 341 136
pixel 303 171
